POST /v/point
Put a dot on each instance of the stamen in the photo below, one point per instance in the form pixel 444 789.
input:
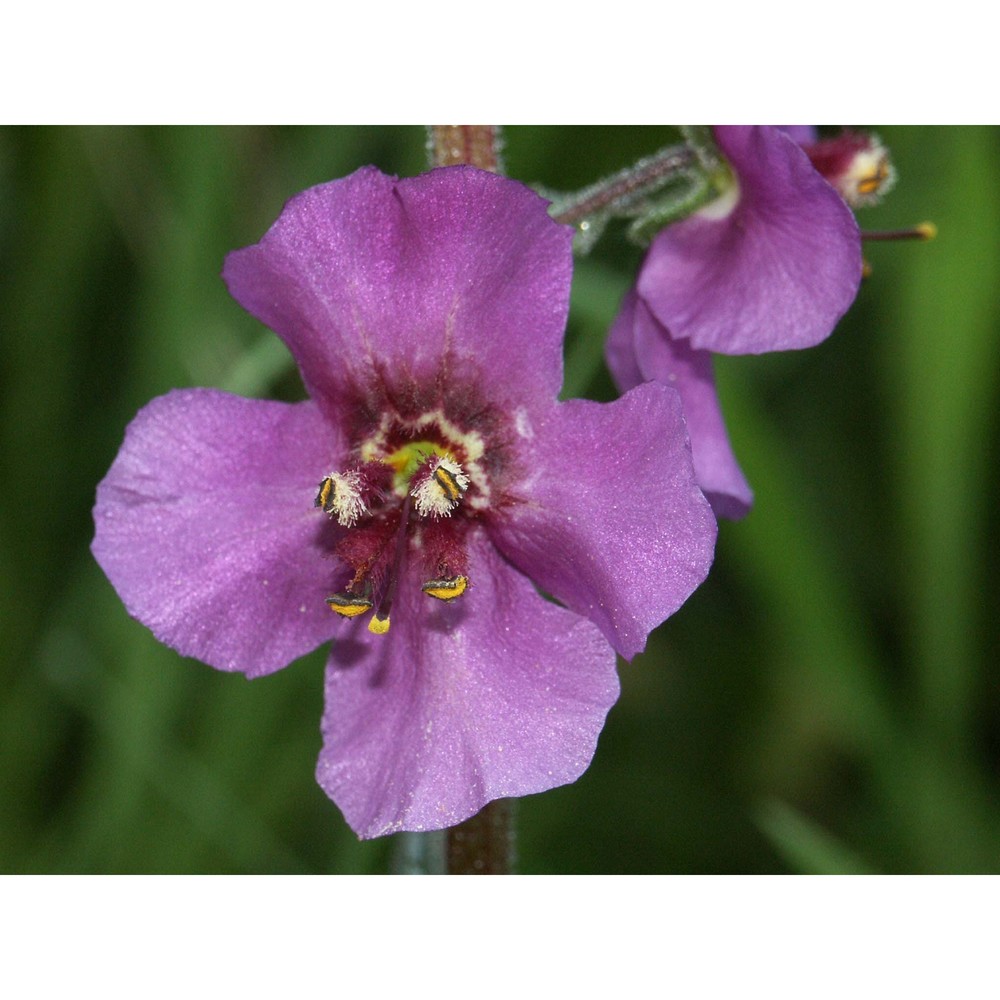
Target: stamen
pixel 341 494
pixel 447 588
pixel 407 469
pixel 856 164
pixel 349 605
pixel 869 177
pixel 350 495
pixel 439 487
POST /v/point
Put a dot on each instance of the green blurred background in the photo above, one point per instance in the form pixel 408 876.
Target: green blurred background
pixel 826 702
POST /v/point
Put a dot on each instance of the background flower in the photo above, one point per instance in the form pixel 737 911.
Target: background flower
pixel 771 265
pixel 638 350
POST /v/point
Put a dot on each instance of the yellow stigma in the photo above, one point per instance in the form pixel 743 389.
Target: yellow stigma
pixel 923 232
pixel 406 460
pixel 446 589
pixel 378 626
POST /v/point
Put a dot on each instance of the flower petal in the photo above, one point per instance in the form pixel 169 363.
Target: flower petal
pixel 802 134
pixel 619 348
pixel 639 349
pixel 612 523
pixel 775 272
pixel 673 362
pixel 371 273
pixel 500 693
pixel 206 527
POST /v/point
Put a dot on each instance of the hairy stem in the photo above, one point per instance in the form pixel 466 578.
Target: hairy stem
pixel 477 145
pixel 484 843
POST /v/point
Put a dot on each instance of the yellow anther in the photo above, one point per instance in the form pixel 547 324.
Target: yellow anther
pixel 869 176
pixel 877 175
pixel 439 493
pixel 325 492
pixel 349 605
pixel 340 494
pixel 446 589
pixel 448 481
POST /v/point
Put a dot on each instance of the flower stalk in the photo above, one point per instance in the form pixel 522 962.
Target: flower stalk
pixel 484 843
pixel 475 145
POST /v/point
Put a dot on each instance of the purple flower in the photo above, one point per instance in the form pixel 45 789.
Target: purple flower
pixel 431 483
pixel 771 265
pixel 640 350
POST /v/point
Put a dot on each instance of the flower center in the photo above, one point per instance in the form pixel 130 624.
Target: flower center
pixel 414 491
pixel 856 164
pixel 426 471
